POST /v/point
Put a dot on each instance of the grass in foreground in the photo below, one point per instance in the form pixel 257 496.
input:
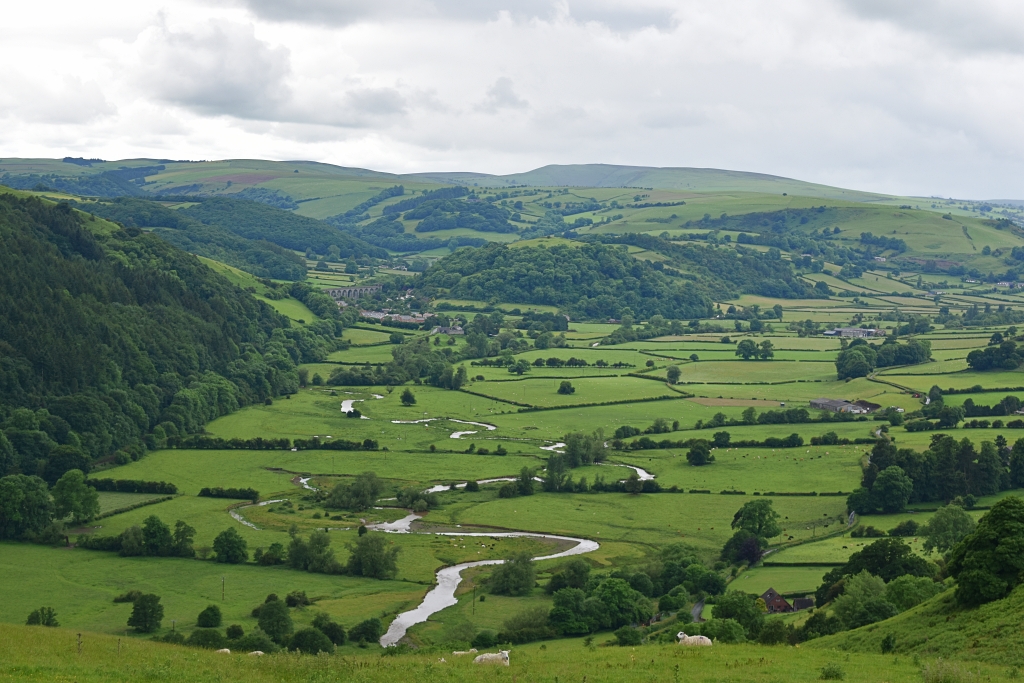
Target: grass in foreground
pixel 39 654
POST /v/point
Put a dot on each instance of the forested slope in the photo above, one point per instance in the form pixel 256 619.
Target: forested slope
pixel 257 256
pixel 112 339
pixel 256 221
pixel 592 280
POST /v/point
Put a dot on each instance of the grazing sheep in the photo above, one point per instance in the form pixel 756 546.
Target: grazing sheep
pixel 500 657
pixel 256 653
pixel 459 653
pixel 441 660
pixel 224 651
pixel 692 640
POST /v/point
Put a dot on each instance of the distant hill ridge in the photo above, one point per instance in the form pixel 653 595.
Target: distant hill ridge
pixel 667 178
pixel 32 171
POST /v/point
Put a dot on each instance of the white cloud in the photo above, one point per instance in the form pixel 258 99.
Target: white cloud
pixel 65 100
pixel 502 95
pixel 859 93
pixel 217 68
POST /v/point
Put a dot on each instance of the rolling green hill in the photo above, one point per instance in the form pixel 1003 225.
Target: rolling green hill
pixel 992 633
pixel 689 179
pixel 585 198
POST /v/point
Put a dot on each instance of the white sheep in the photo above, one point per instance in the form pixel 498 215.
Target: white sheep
pixel 256 653
pixel 223 651
pixel 459 653
pixel 692 640
pixel 500 657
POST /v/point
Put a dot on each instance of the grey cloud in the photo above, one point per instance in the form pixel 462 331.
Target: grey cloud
pixel 376 101
pixel 220 69
pixel 68 101
pixel 980 25
pixel 357 107
pixel 617 16
pixel 500 96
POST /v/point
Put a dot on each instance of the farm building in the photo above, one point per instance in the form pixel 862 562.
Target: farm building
pixel 448 330
pixel 858 332
pixel 802 603
pixel 775 603
pixel 841 406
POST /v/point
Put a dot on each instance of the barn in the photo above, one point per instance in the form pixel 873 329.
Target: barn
pixel 775 603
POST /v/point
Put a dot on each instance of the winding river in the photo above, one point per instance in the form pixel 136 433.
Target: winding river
pixel 448 579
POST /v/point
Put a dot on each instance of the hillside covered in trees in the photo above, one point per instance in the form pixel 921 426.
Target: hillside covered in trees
pixel 593 280
pixel 737 270
pixel 257 256
pixel 113 340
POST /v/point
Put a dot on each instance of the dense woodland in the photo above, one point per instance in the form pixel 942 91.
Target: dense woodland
pixel 738 270
pixel 256 221
pixel 592 281
pixel 256 256
pixel 110 342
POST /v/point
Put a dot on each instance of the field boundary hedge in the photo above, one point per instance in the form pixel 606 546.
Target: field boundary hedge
pixel 802 564
pixel 131 486
pixel 129 508
pixel 235 493
pixel 608 403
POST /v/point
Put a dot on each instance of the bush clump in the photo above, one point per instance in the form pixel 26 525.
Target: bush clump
pixel 209 638
pixel 310 641
pixel 209 617
pixel 832 672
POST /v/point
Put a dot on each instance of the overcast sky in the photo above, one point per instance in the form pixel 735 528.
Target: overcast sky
pixel 915 97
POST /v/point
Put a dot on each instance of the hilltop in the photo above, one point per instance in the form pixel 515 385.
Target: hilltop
pixel 647 177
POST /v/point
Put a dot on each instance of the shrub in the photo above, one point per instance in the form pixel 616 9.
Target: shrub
pixel 44 616
pixel 235 632
pixel 832 672
pixel 627 635
pixel 256 640
pixel 297 599
pixel 209 617
pixel 367 631
pixel 130 596
pixel 526 626
pixel 333 630
pixel 209 638
pixel 174 638
pixel 310 641
pixel 723 630
pixel 905 528
pixel 944 671
pixel 566 387
pixel 485 639
pixel 515 577
pixel 774 632
pixel 888 643
pixel 275 620
pixel 472 486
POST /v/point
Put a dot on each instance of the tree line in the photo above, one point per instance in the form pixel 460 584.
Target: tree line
pixel 947 470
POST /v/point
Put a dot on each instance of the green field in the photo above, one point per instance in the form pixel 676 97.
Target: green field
pixel 31 655
pixel 449 437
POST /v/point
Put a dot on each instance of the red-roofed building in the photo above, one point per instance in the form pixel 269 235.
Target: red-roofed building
pixel 775 603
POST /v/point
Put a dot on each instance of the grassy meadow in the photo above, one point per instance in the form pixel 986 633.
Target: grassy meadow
pixel 434 442
pixel 50 654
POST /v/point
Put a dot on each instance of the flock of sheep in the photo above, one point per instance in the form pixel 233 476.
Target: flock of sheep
pixel 501 656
